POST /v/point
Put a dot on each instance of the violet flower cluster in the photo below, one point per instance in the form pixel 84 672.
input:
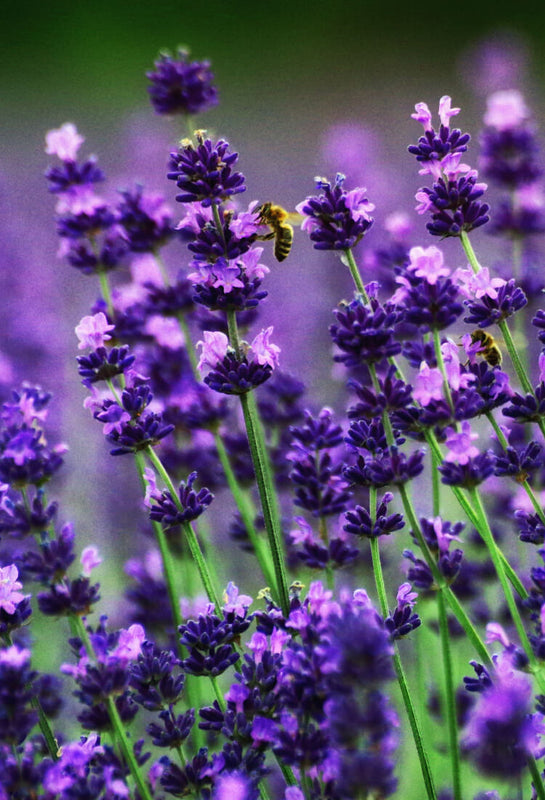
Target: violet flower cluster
pixel 400 503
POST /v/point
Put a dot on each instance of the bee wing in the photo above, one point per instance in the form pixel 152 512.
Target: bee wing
pixel 293 218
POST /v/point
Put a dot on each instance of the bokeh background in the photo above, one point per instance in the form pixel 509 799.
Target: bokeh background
pixel 305 89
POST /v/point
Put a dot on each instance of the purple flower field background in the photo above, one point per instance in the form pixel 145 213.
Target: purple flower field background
pixel 273 381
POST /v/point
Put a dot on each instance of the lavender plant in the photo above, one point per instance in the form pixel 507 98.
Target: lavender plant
pixel 391 516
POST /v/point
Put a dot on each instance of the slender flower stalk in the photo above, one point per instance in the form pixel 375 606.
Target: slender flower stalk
pixel 450 701
pixel 189 533
pixel 120 733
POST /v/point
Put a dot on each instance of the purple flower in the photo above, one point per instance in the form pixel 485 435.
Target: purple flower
pixel 360 522
pixel 166 510
pixel 93 331
pixel 181 86
pixel 204 173
pixel 460 449
pixel 454 198
pixel 502 733
pixel 10 596
pixel 232 373
pixel 64 142
pixel 146 220
pixel 365 333
pixel 336 219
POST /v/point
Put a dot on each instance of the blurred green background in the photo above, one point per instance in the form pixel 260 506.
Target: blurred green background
pixel 86 59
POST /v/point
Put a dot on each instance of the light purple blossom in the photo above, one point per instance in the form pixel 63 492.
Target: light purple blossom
pixel 427 263
pixel 428 384
pixel 445 110
pixel 213 349
pixel 506 110
pixel 90 559
pixel 423 115
pixel 10 596
pixel 235 602
pixel 15 656
pixel 64 142
pixel 130 643
pixel 262 350
pixel 166 332
pixel 250 263
pixel 459 444
pixel 237 694
pixel 451 359
pixel 477 285
pixel 495 633
pixel 92 331
pixel 405 595
pixel 227 275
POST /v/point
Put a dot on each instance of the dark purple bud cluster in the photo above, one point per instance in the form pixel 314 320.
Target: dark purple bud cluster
pixel 204 173
pixel 72 174
pixel 146 220
pixel 210 642
pixel 379 464
pixel 403 620
pixel 531 527
pixel 129 425
pixel 336 219
pixel 435 145
pixel 501 733
pixel 19 519
pixel 527 408
pixel 393 394
pixel 104 674
pixel 361 523
pixel 188 506
pixel 509 156
pixel 454 205
pixel 25 458
pixel 17 716
pixel 470 474
pixel 317 552
pixel 489 311
pixel 430 306
pixel 453 200
pixel 519 464
pixel 235 375
pixel 103 364
pixel 316 467
pixel 365 333
pixel 181 86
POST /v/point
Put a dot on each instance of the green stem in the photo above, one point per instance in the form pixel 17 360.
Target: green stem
pixel 440 582
pixel 475 519
pixel 356 277
pixel 247 513
pixel 45 727
pixel 470 252
pixel 441 365
pixel 515 358
pixel 166 556
pixel 450 697
pixel 267 493
pixel 190 350
pixel 105 290
pixel 405 693
pixel 536 778
pixel 189 533
pixel 117 723
pixel 525 485
pixel 488 538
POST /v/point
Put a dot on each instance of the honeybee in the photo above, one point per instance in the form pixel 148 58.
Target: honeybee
pixel 277 218
pixel 489 349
